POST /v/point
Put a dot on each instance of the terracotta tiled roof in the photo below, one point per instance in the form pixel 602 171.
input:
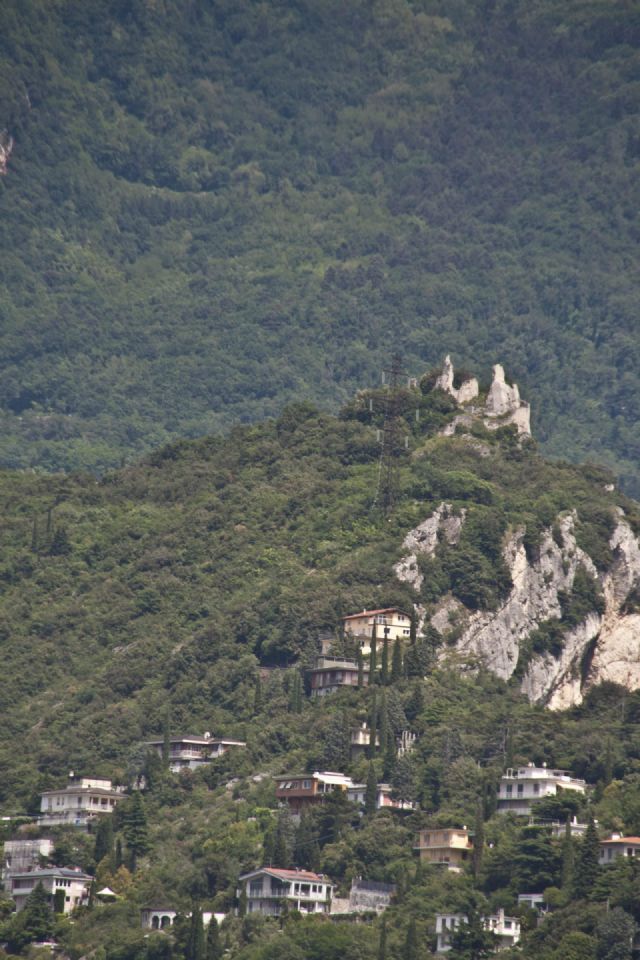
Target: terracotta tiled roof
pixel 621 840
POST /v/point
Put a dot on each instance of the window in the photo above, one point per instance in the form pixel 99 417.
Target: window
pixel 520 789
pixel 536 788
pixel 509 790
pixel 306 784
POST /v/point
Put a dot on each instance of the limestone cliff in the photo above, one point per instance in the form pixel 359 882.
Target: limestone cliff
pixel 6 148
pixel 602 646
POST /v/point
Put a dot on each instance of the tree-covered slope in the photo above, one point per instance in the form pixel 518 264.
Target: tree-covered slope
pixel 213 209
pixel 187 593
pixel 174 581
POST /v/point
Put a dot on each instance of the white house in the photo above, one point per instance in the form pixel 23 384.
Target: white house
pixel 163 918
pixel 519 788
pixel 83 799
pixel 189 752
pixel 361 740
pixel 390 622
pixel 76 886
pixel 507 929
pixel 534 901
pixel 617 846
pixel 23 856
pixel 268 889
pixel 357 792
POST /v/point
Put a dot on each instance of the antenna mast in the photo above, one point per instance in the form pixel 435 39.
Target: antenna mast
pixel 392 439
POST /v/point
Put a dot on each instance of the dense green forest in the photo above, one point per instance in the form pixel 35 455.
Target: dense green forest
pixel 213 209
pixel 186 593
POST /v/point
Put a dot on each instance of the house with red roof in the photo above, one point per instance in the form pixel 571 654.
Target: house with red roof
pixel 618 846
pixel 271 891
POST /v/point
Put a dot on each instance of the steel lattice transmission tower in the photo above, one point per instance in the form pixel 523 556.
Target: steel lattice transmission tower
pixel 393 441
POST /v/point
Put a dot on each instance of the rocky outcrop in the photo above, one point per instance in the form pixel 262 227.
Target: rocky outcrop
pixel 494 638
pixel 617 654
pixel 468 389
pixel 6 148
pixel 601 647
pixel 504 406
pixel 423 539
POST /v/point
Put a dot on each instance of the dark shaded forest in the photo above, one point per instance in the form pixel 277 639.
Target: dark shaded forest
pixel 213 209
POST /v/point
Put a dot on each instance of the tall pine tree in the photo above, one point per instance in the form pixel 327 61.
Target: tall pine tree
pixel 587 862
pixel 384 668
pixel 373 726
pixel 214 948
pixel 134 827
pixel 371 793
pixel 396 661
pixel 373 656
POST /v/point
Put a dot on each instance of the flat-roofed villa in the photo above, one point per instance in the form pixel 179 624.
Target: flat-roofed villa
pixel 268 890
pixel 80 801
pixel 449 847
pixel 73 882
pixel 520 787
pixel 190 751
pixel 331 673
pixel 506 929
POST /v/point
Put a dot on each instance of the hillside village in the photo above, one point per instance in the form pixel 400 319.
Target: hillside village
pixel 391 791
pixel 535 798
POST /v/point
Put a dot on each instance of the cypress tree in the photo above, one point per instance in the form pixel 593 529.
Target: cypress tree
pixel 59 900
pixel 269 845
pixel 413 630
pixel 396 661
pixel 371 792
pixel 410 947
pixel 587 865
pixel 385 732
pixel 214 949
pixel 104 839
pixel 382 942
pixel 295 694
pixel 37 916
pixel 478 841
pixel 384 670
pixel 373 726
pixel 360 668
pixel 195 948
pixel 242 902
pixel 373 656
pixel 166 742
pixel 134 827
pixel 568 859
pixel 119 859
pixel 306 849
pixel 257 694
pixel 34 536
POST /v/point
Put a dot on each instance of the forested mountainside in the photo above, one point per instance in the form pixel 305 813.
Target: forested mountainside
pixel 209 210
pixel 187 593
